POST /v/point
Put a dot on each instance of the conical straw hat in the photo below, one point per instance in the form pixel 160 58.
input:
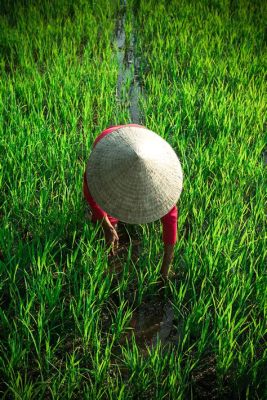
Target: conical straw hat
pixel 134 175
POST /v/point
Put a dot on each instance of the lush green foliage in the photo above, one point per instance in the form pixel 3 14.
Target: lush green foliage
pixel 202 68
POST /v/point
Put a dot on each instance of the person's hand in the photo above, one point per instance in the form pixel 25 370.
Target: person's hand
pixel 111 236
pixel 112 239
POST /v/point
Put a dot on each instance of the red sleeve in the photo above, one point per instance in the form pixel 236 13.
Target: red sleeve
pixel 98 213
pixel 169 225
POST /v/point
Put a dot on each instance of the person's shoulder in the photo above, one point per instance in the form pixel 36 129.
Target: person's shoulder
pixel 113 128
pixel 104 133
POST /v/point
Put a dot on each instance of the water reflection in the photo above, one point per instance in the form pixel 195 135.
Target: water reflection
pixel 152 321
pixel 128 68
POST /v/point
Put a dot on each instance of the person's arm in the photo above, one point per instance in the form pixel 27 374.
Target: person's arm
pixel 169 224
pixel 97 212
pixel 110 232
pixel 167 259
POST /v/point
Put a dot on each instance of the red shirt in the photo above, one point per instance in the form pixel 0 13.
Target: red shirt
pixel 169 221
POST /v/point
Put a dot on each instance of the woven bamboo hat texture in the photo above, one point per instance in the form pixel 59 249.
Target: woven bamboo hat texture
pixel 134 175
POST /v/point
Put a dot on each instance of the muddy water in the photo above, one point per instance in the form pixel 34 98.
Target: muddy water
pixel 120 43
pixel 152 322
pixel 264 157
pixel 128 69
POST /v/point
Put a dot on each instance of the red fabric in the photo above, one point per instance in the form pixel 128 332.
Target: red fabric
pixel 111 129
pixel 169 225
pixel 169 221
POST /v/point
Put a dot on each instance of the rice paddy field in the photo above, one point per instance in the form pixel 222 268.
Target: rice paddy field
pixel 73 326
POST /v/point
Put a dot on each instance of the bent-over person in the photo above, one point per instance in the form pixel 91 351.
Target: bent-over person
pixel 134 176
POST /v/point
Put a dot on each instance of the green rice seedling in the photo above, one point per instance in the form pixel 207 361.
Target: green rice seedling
pixel 120 321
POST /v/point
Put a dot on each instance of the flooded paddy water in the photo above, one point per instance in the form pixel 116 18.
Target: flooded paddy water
pixel 128 68
pixel 152 323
